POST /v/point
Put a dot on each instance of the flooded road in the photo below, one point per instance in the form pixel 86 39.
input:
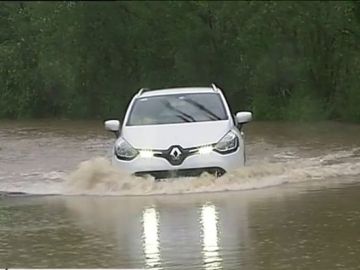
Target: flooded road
pixel 295 206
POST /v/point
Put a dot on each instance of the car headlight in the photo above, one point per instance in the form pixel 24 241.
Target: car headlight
pixel 228 144
pixel 207 149
pixel 124 151
pixel 146 153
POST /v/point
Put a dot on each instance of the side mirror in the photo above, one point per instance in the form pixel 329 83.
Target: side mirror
pixel 112 125
pixel 243 117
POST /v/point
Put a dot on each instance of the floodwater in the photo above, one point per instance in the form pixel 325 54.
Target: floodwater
pixel 295 206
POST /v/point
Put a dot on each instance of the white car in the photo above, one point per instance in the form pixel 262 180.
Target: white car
pixel 179 132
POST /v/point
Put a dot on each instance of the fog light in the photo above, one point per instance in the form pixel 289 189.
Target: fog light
pixel 146 153
pixel 205 149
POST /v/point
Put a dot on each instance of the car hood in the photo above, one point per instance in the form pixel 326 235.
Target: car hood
pixel 186 134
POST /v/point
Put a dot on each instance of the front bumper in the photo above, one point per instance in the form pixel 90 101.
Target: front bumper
pixel 217 171
pixel 214 163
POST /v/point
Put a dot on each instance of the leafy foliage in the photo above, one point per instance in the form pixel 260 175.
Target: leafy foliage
pixel 283 60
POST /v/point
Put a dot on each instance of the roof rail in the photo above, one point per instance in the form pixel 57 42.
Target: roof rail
pixel 214 87
pixel 142 90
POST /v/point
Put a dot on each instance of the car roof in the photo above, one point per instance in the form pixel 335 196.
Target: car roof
pixel 178 90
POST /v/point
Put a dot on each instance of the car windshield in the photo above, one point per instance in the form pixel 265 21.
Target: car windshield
pixel 174 109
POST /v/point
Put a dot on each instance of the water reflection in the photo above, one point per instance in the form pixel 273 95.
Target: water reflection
pixel 151 238
pixel 212 259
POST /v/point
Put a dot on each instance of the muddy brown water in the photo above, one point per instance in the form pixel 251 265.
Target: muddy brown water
pixel 296 205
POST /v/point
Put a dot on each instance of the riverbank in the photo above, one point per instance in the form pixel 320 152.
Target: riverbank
pixel 282 60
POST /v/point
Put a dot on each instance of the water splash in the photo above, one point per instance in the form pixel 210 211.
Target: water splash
pixel 98 177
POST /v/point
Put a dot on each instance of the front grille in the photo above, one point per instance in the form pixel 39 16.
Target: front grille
pixel 175 158
pixel 182 172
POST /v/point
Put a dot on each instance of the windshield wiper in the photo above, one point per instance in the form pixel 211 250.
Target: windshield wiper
pixel 183 118
pixel 202 108
pixel 183 115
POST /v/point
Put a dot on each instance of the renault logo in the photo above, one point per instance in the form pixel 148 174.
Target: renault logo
pixel 175 153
